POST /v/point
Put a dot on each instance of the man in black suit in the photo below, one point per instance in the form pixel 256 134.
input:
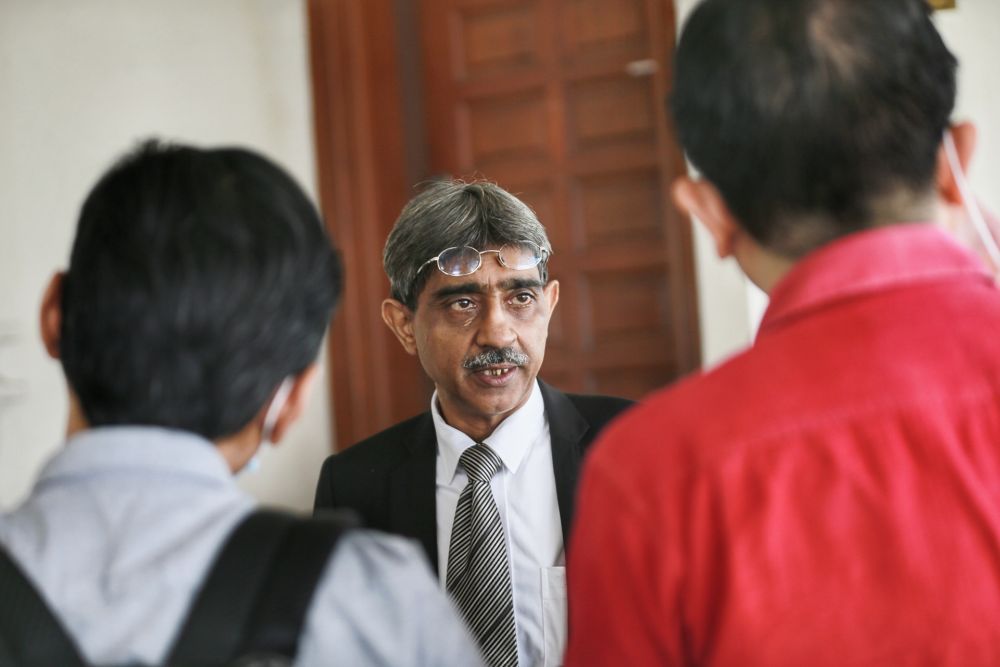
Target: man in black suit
pixel 485 479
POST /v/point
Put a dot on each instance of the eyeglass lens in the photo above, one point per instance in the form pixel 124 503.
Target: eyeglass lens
pixel 462 261
pixel 459 261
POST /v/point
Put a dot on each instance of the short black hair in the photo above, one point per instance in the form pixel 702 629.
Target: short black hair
pixel 805 113
pixel 198 280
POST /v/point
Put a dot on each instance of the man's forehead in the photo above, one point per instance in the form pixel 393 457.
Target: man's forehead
pixel 472 244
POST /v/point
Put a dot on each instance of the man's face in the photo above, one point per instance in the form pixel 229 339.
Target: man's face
pixel 481 339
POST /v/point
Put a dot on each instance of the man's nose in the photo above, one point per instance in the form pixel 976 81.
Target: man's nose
pixel 496 327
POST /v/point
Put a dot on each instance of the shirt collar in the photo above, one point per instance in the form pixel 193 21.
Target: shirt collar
pixel 866 262
pixel 511 440
pixel 132 448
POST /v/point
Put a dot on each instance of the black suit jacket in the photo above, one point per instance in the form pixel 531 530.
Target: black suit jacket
pixel 390 478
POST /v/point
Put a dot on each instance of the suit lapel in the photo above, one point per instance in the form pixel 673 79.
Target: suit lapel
pixel 567 428
pixel 412 488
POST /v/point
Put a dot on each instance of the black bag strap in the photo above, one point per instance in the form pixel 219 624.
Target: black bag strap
pixel 281 610
pixel 30 634
pixel 258 591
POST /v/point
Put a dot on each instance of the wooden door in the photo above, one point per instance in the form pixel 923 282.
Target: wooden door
pixel 561 102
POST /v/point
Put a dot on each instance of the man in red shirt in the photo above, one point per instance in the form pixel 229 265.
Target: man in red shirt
pixel 831 496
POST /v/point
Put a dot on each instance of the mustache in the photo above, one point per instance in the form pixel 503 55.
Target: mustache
pixel 494 356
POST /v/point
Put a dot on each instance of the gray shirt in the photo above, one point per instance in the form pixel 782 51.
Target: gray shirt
pixel 124 522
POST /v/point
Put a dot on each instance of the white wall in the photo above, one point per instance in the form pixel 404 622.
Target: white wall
pixel 971 33
pixel 731 307
pixel 81 81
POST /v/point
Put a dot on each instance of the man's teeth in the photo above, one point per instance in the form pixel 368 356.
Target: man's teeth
pixel 496 371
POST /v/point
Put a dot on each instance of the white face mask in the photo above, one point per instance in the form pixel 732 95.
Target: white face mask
pixel 267 429
pixel 975 214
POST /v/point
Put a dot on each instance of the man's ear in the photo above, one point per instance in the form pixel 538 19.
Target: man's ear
pixel 964 136
pixel 50 315
pixel 552 295
pixel 399 318
pixel 700 199
pixel 298 398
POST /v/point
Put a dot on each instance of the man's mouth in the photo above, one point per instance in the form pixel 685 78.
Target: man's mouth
pixel 495 368
pixel 497 372
pixel 495 376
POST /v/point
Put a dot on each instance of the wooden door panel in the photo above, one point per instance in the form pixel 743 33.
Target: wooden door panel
pixel 503 128
pixel 608 111
pixel 495 39
pixel 631 381
pixel 628 306
pixel 617 207
pixel 602 29
pixel 560 102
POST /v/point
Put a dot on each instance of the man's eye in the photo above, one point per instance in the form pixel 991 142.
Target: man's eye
pixel 524 298
pixel 461 304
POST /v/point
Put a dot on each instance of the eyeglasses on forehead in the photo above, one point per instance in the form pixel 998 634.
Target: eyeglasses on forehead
pixel 464 260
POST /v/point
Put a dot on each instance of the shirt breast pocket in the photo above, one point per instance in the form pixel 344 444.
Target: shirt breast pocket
pixel 554 614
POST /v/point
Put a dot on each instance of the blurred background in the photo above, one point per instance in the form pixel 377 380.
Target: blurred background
pixel 559 101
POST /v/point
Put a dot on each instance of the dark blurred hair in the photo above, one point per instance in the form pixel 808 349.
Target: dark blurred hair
pixel 806 113
pixel 198 280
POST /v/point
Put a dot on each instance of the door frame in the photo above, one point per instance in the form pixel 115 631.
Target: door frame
pixel 359 138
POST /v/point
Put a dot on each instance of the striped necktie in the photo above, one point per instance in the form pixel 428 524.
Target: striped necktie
pixel 478 570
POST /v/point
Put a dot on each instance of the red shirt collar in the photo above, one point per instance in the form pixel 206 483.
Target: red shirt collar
pixel 869 261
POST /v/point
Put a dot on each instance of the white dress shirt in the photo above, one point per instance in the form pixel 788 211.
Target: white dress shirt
pixel 123 524
pixel 525 493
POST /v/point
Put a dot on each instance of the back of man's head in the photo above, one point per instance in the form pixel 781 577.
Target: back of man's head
pixel 198 280
pixel 812 117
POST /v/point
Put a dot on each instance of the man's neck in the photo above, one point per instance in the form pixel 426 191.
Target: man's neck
pixel 477 427
pixel 76 422
pixel 762 266
pixel 765 268
pixel 236 449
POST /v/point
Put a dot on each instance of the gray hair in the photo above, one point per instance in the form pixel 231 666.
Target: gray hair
pixel 455 213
